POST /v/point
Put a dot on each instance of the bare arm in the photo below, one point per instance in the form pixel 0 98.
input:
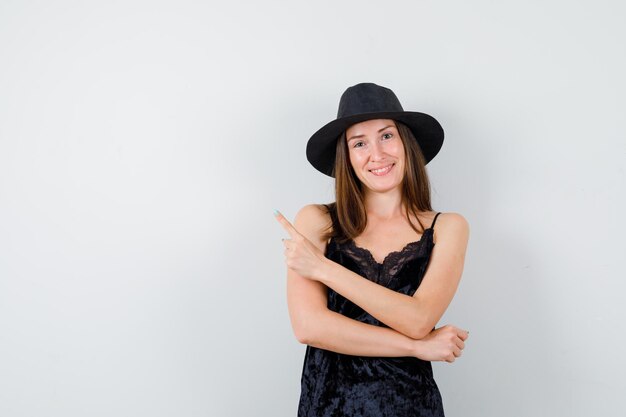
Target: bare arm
pixel 315 325
pixel 338 333
pixel 413 316
pixel 341 334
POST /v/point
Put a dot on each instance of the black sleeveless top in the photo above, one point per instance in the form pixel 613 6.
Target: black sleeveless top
pixel 335 384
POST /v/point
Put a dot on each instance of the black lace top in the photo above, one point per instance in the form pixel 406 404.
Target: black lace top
pixel 335 384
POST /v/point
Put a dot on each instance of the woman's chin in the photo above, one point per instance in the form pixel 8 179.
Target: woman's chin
pixel 380 187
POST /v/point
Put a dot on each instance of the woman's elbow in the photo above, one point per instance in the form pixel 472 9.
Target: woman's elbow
pixel 306 329
pixel 419 332
pixel 421 327
pixel 302 336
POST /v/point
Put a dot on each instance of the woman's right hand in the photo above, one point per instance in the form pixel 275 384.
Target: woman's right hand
pixel 443 344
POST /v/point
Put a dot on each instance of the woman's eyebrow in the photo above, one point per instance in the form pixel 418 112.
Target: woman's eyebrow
pixel 360 136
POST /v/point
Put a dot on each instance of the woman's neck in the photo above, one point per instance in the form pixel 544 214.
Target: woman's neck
pixel 385 206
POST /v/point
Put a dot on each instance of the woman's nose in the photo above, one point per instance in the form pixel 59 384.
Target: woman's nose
pixel 376 151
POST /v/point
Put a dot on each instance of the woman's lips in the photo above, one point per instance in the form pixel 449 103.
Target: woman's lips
pixel 382 171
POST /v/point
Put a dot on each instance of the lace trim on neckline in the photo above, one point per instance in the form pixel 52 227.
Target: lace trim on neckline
pixel 393 255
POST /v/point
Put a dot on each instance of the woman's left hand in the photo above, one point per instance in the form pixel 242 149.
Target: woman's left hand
pixel 301 255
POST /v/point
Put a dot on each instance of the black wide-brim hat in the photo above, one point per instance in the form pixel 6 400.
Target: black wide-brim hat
pixel 368 101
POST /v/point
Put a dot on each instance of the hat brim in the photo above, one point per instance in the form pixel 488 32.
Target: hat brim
pixel 321 147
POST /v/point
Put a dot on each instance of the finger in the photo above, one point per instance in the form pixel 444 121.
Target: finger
pixel 460 343
pixel 286 224
pixel 463 334
pixel 457 352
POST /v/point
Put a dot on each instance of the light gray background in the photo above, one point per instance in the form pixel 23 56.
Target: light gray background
pixel 144 145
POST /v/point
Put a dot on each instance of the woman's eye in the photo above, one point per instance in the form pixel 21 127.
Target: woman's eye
pixel 356 145
pixel 387 136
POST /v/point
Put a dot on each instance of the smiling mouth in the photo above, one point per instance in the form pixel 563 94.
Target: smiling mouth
pixel 381 171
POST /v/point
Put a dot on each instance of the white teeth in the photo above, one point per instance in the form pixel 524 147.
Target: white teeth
pixel 381 170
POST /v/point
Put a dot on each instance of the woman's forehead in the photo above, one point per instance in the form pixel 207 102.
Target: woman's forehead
pixel 369 126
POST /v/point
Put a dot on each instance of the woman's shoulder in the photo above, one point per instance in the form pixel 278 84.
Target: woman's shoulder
pixel 449 216
pixel 451 224
pixel 314 213
pixel 313 221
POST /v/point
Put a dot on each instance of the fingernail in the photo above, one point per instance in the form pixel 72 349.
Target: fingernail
pixel 276 212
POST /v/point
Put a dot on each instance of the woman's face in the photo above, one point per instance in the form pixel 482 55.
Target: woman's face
pixel 376 154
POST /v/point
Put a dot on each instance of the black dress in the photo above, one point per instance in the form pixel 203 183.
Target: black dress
pixel 335 384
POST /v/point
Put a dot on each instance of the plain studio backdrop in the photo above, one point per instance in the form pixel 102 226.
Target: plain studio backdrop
pixel 145 144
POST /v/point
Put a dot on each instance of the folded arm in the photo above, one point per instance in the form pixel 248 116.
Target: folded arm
pixel 414 316
pixel 315 325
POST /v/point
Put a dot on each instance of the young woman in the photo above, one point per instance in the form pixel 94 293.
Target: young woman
pixel 370 275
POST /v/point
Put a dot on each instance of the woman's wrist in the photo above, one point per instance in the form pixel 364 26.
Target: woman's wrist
pixel 418 349
pixel 325 271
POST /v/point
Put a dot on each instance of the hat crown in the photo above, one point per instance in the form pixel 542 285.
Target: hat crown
pixel 367 98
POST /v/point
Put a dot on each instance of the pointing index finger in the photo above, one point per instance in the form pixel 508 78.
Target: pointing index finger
pixel 286 224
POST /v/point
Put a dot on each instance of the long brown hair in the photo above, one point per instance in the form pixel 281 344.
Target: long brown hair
pixel 348 214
